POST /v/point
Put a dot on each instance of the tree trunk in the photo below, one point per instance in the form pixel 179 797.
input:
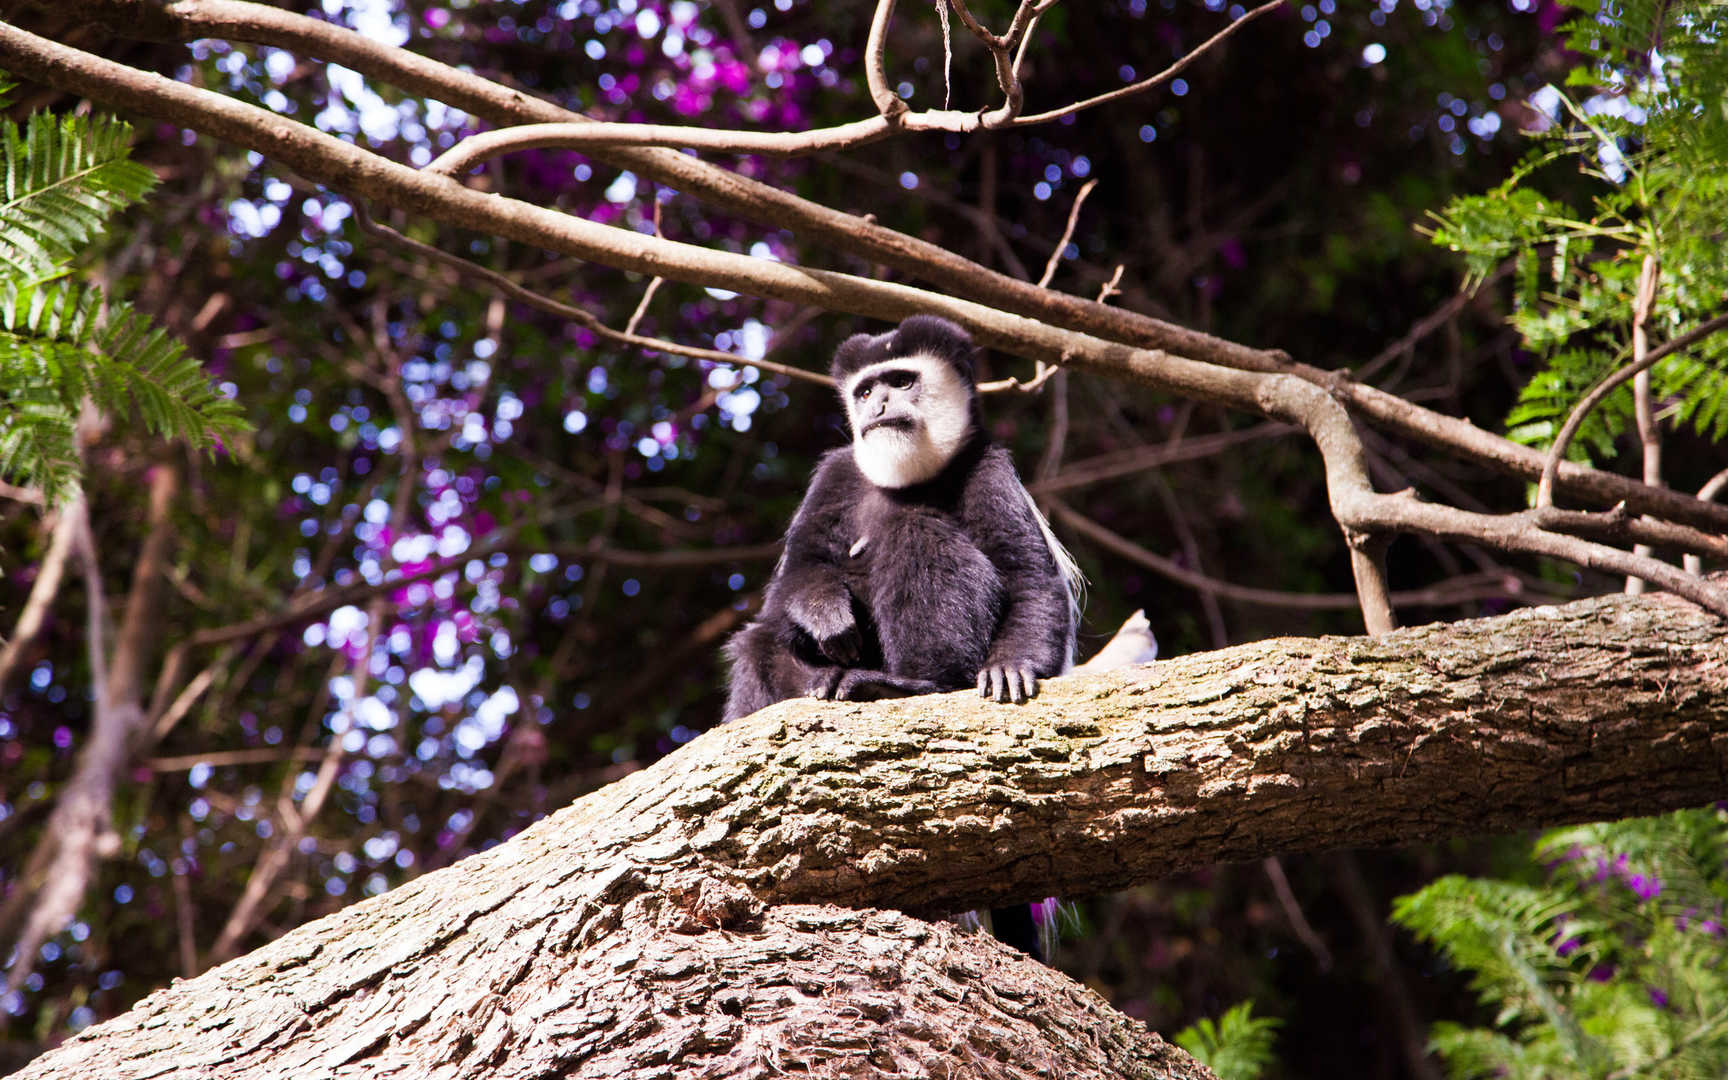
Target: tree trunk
pixel 721 913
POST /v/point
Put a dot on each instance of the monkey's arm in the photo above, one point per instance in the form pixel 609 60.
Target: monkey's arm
pixel 809 585
pixel 1035 636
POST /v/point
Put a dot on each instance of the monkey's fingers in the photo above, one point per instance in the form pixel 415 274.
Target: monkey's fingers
pixel 984 682
pixel 826 684
pixel 1029 679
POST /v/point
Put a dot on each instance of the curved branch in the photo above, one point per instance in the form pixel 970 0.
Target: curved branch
pixel 477 149
pixel 1551 463
pixel 1156 80
pixel 888 103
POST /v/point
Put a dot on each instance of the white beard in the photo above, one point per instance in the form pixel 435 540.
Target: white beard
pixel 893 458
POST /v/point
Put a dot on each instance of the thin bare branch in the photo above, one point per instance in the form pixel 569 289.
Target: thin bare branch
pixel 1067 233
pixel 22 494
pixel 478 149
pixel 581 316
pixel 1293 912
pixel 1712 487
pixel 49 573
pixel 888 103
pixel 216 759
pixel 1104 467
pixel 1156 80
pixel 1552 463
pixel 1471 588
pixel 1643 408
pixel 1429 323
pixel 653 285
pixel 1110 288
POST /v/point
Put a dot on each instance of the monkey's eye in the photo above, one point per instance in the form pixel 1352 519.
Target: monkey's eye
pixel 900 380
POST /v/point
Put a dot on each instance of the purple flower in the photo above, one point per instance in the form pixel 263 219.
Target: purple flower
pixel 1647 888
pixel 1657 997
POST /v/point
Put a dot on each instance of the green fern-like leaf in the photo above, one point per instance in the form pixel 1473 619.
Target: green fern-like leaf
pixel 1238 1046
pixel 61 179
pixel 54 355
pixel 1617 967
pixel 38 439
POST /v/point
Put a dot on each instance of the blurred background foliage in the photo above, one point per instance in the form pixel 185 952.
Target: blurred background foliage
pixel 579 526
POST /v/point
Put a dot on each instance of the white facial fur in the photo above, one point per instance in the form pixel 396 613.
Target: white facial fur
pixel 891 458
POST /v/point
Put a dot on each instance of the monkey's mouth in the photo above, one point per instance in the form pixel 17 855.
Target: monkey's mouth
pixel 892 423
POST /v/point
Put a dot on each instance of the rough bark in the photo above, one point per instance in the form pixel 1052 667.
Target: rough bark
pixel 687 920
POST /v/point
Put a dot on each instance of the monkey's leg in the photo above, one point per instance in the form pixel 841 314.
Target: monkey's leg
pixel 863 685
pixel 765 669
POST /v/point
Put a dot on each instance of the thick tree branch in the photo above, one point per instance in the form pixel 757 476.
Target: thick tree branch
pixel 679 918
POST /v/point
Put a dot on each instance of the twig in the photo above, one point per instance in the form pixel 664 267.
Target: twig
pixel 589 135
pixel 42 591
pixel 1110 287
pixel 1156 80
pixel 1468 589
pixel 1067 233
pixel 581 316
pixel 1293 912
pixel 1429 323
pixel 1043 370
pixel 888 103
pixel 1096 470
pixel 183 904
pixel 653 285
pixel 1551 465
pixel 1693 564
pixel 1649 436
pixel 217 759
pixel 21 494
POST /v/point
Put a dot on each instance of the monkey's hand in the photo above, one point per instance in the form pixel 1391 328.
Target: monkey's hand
pixel 1008 682
pixel 830 624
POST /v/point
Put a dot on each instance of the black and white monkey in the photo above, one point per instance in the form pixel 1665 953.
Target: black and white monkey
pixel 917 561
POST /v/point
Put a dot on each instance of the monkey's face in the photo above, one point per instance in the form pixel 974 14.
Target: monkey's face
pixel 910 415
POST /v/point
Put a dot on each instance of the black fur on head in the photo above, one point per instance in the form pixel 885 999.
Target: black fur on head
pixel 930 335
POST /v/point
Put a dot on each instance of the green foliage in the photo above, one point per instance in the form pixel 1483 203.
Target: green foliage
pixel 1633 163
pixel 60 346
pixel 1238 1046
pixel 1615 966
